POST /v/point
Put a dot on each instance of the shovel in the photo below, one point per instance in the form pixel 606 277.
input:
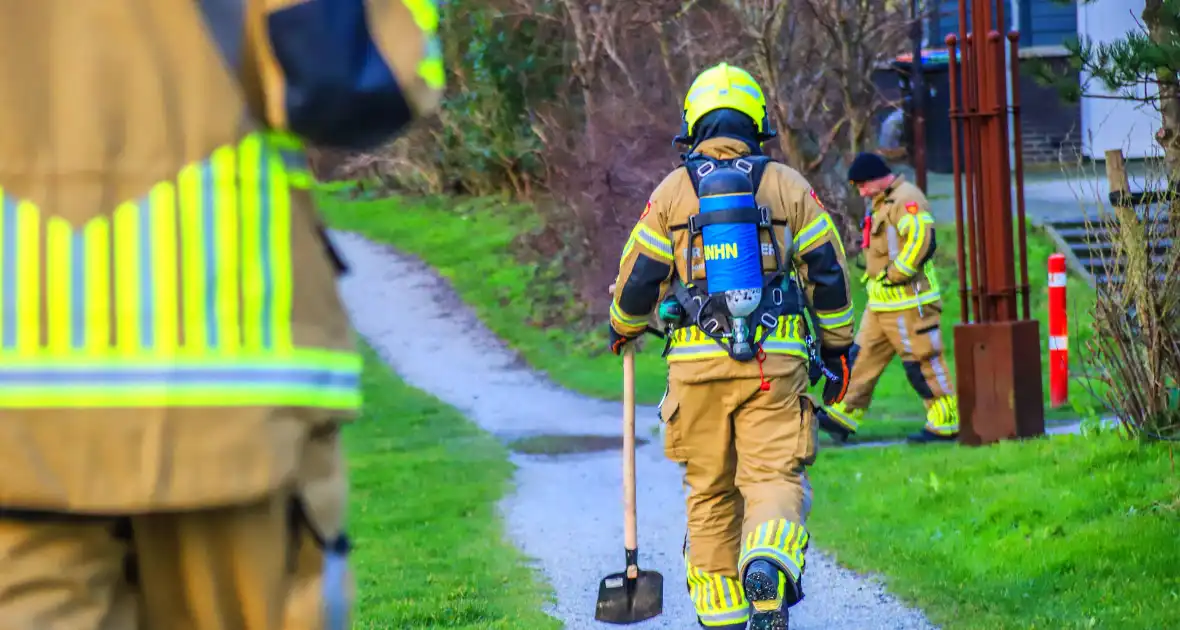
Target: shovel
pixel 633 595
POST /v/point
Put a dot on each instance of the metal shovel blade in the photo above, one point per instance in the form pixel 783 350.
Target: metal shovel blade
pixel 624 600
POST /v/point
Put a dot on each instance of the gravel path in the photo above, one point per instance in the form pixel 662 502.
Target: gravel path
pixel 566 511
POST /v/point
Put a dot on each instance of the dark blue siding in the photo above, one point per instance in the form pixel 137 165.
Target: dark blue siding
pixel 1042 22
pixel 1052 24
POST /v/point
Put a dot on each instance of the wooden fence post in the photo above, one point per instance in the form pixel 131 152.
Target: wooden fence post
pixel 1131 240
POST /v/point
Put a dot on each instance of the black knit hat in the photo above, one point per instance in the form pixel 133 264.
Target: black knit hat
pixel 867 167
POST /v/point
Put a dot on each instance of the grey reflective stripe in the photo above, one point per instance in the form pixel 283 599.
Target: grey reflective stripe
pixel 936 363
pixel 294 159
pixel 729 598
pixel 905 335
pixel 781 558
pixel 335 591
pixel 227 24
pixel 698 348
pixel 733 616
pixel 769 345
pixel 805 482
pixel 653 244
pixel 134 376
pixel 891 233
pixel 773 345
pixel 940 374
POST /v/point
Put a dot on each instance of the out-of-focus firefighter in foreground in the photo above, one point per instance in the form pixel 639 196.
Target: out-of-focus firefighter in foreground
pixel 174 361
pixel 731 251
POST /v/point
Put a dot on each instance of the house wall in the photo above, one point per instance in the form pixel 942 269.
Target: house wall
pixel 1111 123
pixel 1052 128
pixel 1041 22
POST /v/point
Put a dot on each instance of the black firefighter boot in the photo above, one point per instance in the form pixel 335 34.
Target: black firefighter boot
pixel 835 430
pixel 929 437
pixel 771 592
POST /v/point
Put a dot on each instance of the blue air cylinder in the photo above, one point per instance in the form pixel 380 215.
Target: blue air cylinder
pixel 732 251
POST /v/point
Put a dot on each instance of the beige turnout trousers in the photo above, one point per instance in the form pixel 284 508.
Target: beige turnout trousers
pixel 914 334
pixel 745 453
pixel 215 569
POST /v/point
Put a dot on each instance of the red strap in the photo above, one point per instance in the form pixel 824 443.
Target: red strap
pixel 866 230
pixel 764 384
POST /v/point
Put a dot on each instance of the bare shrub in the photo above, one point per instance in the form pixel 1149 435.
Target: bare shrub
pixel 573 104
pixel 1132 361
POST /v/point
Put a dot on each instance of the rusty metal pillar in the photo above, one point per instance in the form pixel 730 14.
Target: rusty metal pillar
pixel 997 345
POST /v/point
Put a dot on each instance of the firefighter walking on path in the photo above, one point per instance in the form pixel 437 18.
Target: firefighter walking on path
pixel 721 250
pixel 175 364
pixel 904 308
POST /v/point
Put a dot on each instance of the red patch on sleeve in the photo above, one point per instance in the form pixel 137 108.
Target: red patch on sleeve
pixel 912 207
pixel 816 198
pixel 646 209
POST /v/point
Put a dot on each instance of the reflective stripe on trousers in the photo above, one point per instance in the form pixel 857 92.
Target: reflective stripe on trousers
pixel 719 601
pixel 942 418
pixel 335 589
pixel 782 542
pixel 182 297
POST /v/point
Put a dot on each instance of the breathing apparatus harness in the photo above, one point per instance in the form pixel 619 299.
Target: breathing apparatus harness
pixel 692 304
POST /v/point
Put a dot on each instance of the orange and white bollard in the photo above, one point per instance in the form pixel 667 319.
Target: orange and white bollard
pixel 1058 334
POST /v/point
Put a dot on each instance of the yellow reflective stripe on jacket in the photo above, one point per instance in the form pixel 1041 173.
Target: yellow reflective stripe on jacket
pixel 835 320
pixel 291 150
pixel 425 14
pixel 779 540
pixel 306 377
pixel 814 231
pixel 690 344
pixel 181 297
pixel 885 299
pixel 718 600
pixel 654 242
pixel 618 316
pixel 915 230
pixel 901 297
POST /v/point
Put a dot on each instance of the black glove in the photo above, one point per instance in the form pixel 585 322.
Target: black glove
pixel 837 369
pixel 617 341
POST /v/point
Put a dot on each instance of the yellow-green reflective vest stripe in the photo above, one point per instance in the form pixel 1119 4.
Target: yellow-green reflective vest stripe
pixel 885 299
pixel 180 298
pixel 690 344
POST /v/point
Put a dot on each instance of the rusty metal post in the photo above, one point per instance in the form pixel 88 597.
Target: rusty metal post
pixel 997 358
pixel 1018 151
pixel 952 46
pixel 1000 226
pixel 970 158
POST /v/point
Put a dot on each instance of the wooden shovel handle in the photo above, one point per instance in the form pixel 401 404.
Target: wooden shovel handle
pixel 630 541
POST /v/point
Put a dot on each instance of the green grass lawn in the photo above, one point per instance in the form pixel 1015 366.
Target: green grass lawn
pixel 430 550
pixel 473 243
pixel 1054 534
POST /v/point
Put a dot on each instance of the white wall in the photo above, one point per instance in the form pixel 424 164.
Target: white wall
pixel 1114 124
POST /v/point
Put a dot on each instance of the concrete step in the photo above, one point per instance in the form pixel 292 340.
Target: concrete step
pixel 1106 249
pixel 1097 217
pixel 1101 278
pixel 1099 264
pixel 1079 233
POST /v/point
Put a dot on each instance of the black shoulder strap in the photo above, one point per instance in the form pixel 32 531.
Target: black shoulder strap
pixel 698 165
pixel 752 165
pixel 758 163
